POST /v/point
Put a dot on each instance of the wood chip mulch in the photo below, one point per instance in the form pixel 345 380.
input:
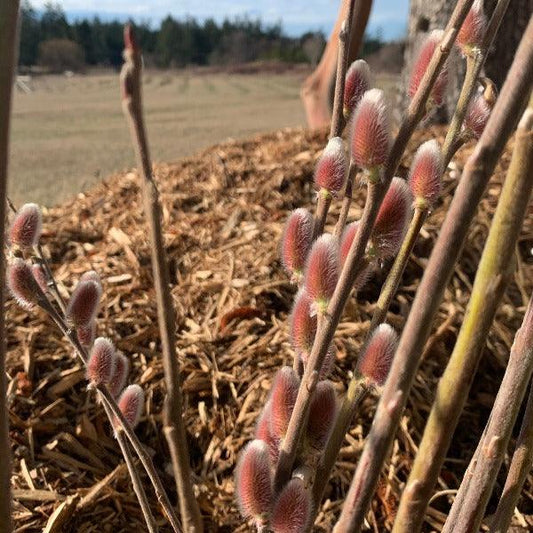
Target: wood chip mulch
pixel 223 216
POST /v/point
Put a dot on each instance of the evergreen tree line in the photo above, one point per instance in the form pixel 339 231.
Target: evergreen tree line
pixel 49 40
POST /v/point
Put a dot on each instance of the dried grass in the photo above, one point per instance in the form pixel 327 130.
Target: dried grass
pixel 224 211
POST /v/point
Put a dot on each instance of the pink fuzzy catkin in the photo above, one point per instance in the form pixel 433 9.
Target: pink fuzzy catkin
pixel 322 413
pixel 86 334
pixel 302 325
pixel 83 304
pixel 296 242
pixel 477 115
pixel 283 397
pixel 263 432
pixel 421 65
pixel 371 131
pixel 425 174
pixel 22 283
pixel 253 484
pixel 40 276
pixel 358 81
pixel 392 219
pixel 120 375
pixel 102 362
pixel 376 359
pixel 330 171
pixel 26 227
pixel 472 31
pixel 322 271
pixel 292 509
pixel 131 404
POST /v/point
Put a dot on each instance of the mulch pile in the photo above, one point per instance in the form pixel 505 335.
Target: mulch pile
pixel 224 212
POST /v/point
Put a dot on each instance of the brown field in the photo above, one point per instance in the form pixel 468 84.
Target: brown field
pixel 68 133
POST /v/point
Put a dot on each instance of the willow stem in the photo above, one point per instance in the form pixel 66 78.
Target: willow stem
pixel 346 200
pixel 134 475
pixel 518 470
pixel 174 425
pixel 396 272
pixel 465 357
pixel 8 49
pixel 476 174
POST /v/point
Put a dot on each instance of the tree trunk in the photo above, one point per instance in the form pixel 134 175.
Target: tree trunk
pixel 425 16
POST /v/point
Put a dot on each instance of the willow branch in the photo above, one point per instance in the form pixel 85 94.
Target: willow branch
pixel 337 120
pixel 346 200
pixel 8 39
pixel 354 260
pixel 474 64
pixel 507 221
pixel 476 174
pixel 518 470
pixel 174 427
pixel 134 475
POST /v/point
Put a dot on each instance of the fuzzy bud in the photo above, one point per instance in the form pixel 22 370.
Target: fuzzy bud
pixel 472 31
pixel 40 276
pixel 296 242
pixel 371 131
pixel 131 404
pixel 292 509
pixel 83 304
pixel 86 334
pixel 263 432
pixel 392 219
pixel 358 81
pixel 302 325
pixel 425 174
pixel 331 168
pixel 120 375
pixel 26 227
pixel 102 362
pixel 322 413
pixel 283 397
pixel 92 275
pixel 421 65
pixel 477 115
pixel 376 359
pixel 22 284
pixel 322 271
pixel 253 484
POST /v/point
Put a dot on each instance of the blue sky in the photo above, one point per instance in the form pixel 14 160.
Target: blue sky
pixel 297 16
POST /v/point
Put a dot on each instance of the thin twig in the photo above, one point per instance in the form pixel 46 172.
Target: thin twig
pixel 346 200
pixel 134 475
pixel 337 120
pixel 354 260
pixel 476 174
pixel 174 426
pixel 8 38
pixel 459 373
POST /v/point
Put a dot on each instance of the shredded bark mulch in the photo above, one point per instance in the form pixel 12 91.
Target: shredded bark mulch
pixel 224 212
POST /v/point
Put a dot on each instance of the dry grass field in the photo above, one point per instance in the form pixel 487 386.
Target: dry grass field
pixel 70 132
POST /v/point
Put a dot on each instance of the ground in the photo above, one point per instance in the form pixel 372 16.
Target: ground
pixel 224 211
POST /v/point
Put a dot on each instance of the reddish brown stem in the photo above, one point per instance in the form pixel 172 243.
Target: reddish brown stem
pixel 476 174
pixel 174 426
pixel 8 38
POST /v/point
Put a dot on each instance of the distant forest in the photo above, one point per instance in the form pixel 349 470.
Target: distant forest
pixel 48 40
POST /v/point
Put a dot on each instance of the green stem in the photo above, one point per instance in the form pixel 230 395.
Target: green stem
pixel 494 272
pixel 395 275
pixel 511 209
